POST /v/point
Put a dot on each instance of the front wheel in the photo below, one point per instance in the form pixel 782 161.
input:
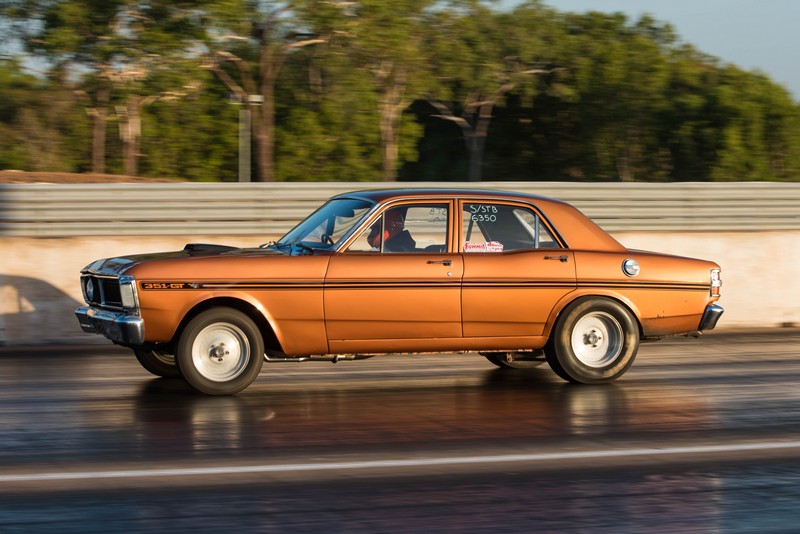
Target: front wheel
pixel 594 341
pixel 220 352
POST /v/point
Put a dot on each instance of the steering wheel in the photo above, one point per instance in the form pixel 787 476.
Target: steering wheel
pixel 327 239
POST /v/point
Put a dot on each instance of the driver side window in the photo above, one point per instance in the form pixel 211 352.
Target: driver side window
pixel 411 228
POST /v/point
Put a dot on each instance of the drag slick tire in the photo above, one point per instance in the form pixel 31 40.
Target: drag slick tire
pixel 220 352
pixel 594 341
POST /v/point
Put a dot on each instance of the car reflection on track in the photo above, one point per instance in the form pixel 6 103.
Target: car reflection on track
pixel 518 408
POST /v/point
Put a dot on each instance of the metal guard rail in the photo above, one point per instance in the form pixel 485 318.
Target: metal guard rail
pixel 119 209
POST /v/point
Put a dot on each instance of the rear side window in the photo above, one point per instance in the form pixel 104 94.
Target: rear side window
pixel 492 227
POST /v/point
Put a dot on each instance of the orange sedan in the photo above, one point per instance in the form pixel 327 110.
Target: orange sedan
pixel 520 278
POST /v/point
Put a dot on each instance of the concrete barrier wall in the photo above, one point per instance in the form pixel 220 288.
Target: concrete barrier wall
pixel 39 271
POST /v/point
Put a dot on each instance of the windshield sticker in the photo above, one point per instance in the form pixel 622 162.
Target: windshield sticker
pixel 491 246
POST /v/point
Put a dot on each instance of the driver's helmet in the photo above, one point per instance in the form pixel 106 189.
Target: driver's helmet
pixel 393 224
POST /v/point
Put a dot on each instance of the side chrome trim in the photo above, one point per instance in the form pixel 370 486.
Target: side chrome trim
pixel 116 326
pixel 710 317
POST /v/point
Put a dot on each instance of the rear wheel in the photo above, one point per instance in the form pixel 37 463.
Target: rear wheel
pixel 220 352
pixel 158 363
pixel 594 341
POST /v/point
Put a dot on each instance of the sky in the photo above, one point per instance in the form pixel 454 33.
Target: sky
pixel 755 35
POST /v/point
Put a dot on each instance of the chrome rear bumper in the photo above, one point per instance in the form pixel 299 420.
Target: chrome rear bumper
pixel 710 317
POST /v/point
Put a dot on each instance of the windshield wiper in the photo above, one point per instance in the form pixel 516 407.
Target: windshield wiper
pixel 304 247
pixel 278 245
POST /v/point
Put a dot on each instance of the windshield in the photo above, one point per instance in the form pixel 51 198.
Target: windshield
pixel 324 228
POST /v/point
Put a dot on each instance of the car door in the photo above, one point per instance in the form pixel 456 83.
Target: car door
pixel 515 270
pixel 380 298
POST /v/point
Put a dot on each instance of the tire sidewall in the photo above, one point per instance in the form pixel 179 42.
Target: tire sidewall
pixel 185 360
pixel 575 370
pixel 153 363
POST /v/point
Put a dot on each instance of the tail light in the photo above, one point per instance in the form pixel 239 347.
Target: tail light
pixel 716 282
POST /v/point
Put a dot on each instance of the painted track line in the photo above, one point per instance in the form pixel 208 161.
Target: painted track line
pixel 403 463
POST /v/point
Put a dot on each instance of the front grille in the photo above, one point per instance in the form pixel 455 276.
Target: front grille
pixel 109 287
pixel 105 293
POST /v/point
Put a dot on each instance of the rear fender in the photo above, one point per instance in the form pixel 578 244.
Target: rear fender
pixel 567 299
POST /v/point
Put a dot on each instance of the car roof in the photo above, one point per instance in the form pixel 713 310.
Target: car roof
pixel 381 195
pixel 576 229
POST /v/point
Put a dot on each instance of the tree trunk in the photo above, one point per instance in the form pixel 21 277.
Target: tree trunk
pixel 391 106
pixel 270 61
pixel 130 129
pixel 99 115
pixel 479 134
pixel 389 146
pixel 474 123
pixel 264 134
pixel 475 146
pixel 263 123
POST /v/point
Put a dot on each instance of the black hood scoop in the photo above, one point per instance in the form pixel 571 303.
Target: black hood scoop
pixel 197 249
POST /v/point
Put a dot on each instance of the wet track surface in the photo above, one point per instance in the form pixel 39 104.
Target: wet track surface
pixel 699 436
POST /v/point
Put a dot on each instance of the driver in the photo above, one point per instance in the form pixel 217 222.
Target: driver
pixel 395 237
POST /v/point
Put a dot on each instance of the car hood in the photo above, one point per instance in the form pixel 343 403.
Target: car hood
pixel 121 264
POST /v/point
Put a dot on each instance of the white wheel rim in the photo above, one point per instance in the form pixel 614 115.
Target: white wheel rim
pixel 168 359
pixel 597 339
pixel 220 352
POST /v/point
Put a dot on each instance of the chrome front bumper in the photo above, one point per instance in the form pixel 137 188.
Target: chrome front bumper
pixel 710 317
pixel 116 326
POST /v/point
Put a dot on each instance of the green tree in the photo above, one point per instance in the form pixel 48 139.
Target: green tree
pixel 759 136
pixel 40 124
pixel 100 48
pixel 479 58
pixel 193 136
pixel 327 121
pixel 619 75
pixel 353 90
pixel 386 41
pixel 248 44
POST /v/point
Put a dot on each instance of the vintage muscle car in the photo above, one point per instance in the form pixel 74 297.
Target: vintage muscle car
pixel 519 278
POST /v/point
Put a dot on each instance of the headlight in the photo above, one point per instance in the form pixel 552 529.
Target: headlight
pixel 128 299
pixel 90 289
pixel 127 292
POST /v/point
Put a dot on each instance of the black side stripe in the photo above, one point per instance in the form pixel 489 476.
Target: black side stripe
pixel 420 284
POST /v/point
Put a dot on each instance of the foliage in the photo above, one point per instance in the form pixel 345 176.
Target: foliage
pixel 41 126
pixel 369 90
pixel 328 128
pixel 193 137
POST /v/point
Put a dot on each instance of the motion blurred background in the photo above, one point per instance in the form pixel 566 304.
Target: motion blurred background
pixel 407 90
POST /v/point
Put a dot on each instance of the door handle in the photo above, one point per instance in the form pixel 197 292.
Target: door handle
pixel 562 259
pixel 446 263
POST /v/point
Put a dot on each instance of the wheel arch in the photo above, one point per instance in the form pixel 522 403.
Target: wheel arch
pixel 570 298
pixel 260 317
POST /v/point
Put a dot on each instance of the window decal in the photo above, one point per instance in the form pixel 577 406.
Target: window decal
pixel 491 246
